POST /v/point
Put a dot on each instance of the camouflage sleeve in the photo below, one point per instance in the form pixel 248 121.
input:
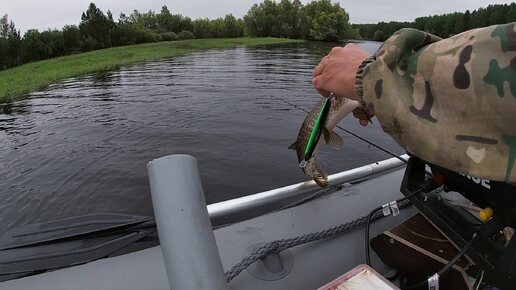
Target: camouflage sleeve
pixel 451 102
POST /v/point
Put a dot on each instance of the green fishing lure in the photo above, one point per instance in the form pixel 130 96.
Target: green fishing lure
pixel 316 132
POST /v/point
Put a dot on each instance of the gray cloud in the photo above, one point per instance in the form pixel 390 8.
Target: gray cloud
pixel 46 14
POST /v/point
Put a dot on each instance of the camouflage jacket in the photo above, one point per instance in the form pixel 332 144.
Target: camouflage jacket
pixel 449 101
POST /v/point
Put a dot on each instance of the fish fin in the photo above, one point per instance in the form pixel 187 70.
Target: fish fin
pixel 293 146
pixel 332 138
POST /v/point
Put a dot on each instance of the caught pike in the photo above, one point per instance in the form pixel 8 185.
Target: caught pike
pixel 321 120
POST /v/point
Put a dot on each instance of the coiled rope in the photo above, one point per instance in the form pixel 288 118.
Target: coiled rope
pixel 283 244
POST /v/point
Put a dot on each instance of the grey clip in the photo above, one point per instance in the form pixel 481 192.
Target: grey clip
pixel 386 210
pixel 394 207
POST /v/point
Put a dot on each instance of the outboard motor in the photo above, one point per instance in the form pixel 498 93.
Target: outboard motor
pixel 493 252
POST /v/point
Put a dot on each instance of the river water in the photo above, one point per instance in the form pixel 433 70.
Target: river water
pixel 82 145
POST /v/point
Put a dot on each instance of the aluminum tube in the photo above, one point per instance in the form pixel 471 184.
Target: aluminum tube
pixel 188 244
pixel 229 207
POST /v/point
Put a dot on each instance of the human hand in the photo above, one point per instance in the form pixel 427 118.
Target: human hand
pixel 336 71
pixel 363 116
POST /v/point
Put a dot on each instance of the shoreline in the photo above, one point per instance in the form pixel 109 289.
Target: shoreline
pixel 18 82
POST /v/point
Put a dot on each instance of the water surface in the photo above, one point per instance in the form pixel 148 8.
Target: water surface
pixel 81 146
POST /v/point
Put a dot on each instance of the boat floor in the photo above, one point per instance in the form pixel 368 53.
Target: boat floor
pixel 313 264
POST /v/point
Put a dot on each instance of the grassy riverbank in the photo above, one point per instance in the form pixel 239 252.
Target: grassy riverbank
pixel 16 83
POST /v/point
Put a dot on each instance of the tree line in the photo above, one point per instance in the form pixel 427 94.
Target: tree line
pixel 318 20
pixel 98 30
pixel 444 25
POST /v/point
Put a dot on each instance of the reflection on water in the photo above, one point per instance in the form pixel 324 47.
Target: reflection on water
pixel 82 145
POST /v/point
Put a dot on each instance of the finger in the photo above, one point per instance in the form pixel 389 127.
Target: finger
pixel 318 70
pixel 368 115
pixel 351 45
pixel 318 82
pixel 363 116
pixel 324 93
pixel 363 122
pixel 336 50
pixel 320 67
pixel 359 113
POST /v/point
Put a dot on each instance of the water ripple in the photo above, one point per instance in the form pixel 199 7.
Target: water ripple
pixel 82 145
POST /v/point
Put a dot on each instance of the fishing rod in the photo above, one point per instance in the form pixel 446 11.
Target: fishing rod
pixel 349 132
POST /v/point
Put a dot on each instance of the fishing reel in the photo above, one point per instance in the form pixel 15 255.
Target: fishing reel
pixel 465 206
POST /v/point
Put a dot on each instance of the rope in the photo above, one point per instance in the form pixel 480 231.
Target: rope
pixel 283 244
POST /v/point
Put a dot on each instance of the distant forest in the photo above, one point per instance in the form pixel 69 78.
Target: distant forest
pixel 319 20
pixel 443 25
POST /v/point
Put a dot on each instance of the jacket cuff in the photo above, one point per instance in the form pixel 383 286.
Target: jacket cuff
pixel 359 78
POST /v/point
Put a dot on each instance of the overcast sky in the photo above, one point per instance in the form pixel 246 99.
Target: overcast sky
pixel 44 14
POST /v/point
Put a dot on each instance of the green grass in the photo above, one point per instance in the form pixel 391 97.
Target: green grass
pixel 16 83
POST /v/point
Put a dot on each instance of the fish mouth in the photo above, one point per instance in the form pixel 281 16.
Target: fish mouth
pixel 321 180
pixel 318 174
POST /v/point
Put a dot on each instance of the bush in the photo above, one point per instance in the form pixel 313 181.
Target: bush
pixel 185 34
pixel 169 36
pixel 149 36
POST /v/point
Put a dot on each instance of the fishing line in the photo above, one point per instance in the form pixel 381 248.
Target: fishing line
pixel 349 132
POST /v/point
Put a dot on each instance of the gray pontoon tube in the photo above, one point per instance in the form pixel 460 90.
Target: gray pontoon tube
pixel 249 202
pixel 189 249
